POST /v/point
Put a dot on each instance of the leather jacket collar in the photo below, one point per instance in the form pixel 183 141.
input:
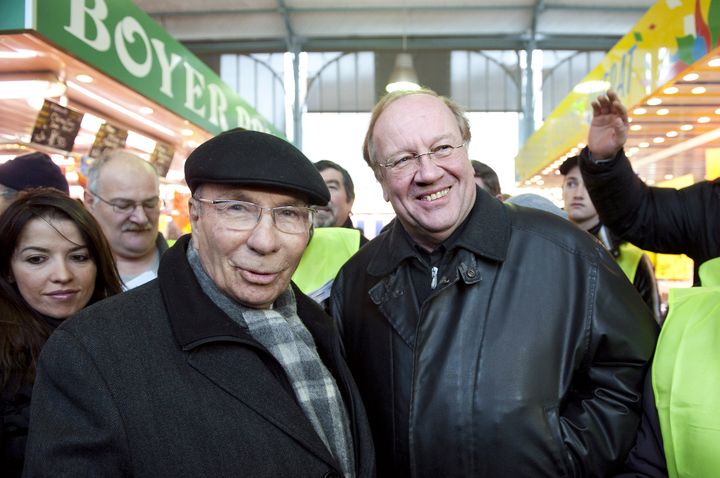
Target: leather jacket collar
pixel 486 232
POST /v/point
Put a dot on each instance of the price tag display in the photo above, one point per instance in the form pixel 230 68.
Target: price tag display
pixel 56 126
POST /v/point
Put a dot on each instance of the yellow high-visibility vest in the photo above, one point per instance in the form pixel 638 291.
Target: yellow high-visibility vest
pixel 629 259
pixel 329 249
pixel 686 377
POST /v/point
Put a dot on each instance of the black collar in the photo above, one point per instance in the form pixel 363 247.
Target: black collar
pixel 486 232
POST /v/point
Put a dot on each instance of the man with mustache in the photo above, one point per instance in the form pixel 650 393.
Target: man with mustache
pixel 221 367
pixel 123 194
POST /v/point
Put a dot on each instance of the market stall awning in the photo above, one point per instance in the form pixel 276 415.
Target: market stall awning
pixel 111 61
pixel 667 71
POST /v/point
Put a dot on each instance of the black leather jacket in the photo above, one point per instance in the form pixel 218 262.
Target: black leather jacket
pixel 684 221
pixel 527 360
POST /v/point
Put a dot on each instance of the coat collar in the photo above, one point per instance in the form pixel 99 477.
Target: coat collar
pixel 195 320
pixel 485 232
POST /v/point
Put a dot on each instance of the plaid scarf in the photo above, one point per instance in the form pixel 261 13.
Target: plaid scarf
pixel 283 334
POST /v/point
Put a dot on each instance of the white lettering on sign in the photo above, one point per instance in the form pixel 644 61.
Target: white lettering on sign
pixel 243 118
pixel 166 67
pixel 125 31
pixel 78 11
pixel 193 90
pixel 205 100
pixel 218 107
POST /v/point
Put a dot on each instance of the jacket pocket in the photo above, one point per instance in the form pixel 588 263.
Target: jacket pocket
pixel 557 445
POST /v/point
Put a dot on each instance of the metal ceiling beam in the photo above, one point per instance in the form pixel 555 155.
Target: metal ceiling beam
pixel 293 45
pixel 491 42
pixel 389 8
pixel 527 124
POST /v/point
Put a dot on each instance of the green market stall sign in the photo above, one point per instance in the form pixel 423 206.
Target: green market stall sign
pixel 119 39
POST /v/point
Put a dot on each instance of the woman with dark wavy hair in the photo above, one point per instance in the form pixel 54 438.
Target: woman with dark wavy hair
pixel 54 261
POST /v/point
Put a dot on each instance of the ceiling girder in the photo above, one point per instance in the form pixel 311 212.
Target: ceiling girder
pixel 389 8
pixel 500 42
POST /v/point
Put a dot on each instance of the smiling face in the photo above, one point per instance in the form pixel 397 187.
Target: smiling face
pixel 579 207
pixel 52 267
pixel 434 200
pixel 254 266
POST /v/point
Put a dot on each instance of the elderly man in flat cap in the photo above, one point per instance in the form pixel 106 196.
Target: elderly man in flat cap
pixel 220 367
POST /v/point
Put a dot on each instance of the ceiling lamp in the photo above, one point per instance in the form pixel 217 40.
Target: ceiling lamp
pixel 40 84
pixel 83 78
pixel 403 76
pixel 593 86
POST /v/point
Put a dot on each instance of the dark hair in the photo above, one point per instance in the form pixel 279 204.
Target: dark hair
pixel 22 329
pixel 488 175
pixel 324 164
pixel 568 164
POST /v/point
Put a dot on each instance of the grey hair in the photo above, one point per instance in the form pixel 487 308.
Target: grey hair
pixel 109 155
pixel 387 100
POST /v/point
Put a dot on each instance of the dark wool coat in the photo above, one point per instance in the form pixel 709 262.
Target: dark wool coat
pixel 158 382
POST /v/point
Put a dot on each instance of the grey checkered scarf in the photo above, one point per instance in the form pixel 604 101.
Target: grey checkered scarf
pixel 283 334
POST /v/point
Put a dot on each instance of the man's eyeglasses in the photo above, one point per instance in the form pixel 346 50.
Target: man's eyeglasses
pixel 243 215
pixel 126 206
pixel 409 163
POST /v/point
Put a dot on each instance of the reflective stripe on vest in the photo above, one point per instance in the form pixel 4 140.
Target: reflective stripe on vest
pixel 329 249
pixel 686 379
pixel 629 259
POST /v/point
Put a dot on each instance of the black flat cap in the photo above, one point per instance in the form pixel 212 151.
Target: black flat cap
pixel 32 170
pixel 251 158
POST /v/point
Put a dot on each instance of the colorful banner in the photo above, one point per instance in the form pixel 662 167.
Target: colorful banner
pixel 119 39
pixel 668 39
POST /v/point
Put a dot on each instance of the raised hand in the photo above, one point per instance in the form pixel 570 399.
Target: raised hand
pixel 609 126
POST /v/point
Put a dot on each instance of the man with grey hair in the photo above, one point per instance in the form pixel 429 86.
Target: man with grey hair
pixel 482 336
pixel 123 194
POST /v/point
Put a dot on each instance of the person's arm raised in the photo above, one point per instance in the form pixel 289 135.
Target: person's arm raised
pixel 609 127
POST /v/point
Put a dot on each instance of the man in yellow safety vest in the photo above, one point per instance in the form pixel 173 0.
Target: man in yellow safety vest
pixel 581 211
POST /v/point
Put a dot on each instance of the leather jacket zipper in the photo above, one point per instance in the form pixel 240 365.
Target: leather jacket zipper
pixel 433 282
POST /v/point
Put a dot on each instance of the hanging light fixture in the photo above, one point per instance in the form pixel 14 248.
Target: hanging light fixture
pixel 25 85
pixel 403 76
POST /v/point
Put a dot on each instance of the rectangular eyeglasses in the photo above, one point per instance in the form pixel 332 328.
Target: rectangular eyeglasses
pixel 243 215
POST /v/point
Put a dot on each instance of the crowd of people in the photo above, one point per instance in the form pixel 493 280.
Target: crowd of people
pixel 476 335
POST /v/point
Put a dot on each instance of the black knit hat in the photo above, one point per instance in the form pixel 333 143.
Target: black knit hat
pixel 252 158
pixel 32 170
pixel 568 164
